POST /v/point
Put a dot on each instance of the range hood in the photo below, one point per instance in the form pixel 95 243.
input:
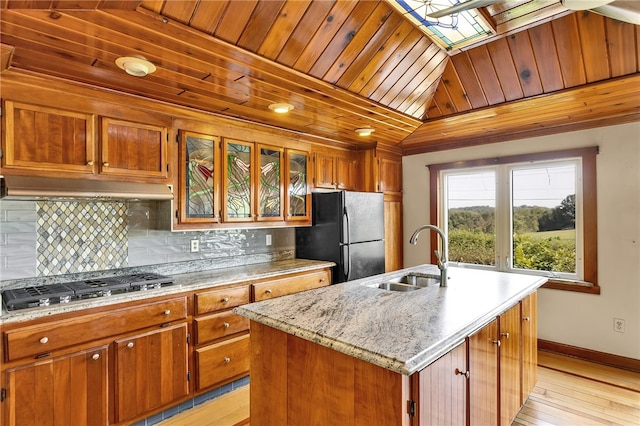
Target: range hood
pixel 41 188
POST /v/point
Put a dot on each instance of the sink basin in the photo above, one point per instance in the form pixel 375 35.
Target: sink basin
pixel 418 280
pixel 409 282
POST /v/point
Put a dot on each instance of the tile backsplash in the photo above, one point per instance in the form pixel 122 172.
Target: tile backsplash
pixel 46 238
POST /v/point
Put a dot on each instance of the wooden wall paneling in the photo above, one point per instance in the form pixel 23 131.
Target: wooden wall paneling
pixel 525 63
pixel 544 50
pixel 207 15
pixel 593 40
pixel 470 84
pixel 364 44
pixel 234 19
pixel 354 28
pixel 181 11
pixel 6 51
pixel 638 45
pixel 410 80
pixel 621 43
pixel 153 5
pixel 317 12
pixel 443 101
pixel 282 28
pixel 417 102
pixel 259 24
pixel 323 36
pixel 502 60
pixel 569 51
pixel 451 83
pixel 486 72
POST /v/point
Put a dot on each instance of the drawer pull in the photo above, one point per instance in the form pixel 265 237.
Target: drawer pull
pixel 105 164
pixel 225 325
pixel 167 312
pixel 322 280
pixel 44 340
pixel 526 319
pixel 268 291
pixel 496 342
pixel 227 360
pixel 95 357
pixel 130 345
pixel 506 335
pixel 464 374
pixel 89 163
pixel 226 299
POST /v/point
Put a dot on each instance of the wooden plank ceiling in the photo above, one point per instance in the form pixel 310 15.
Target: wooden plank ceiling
pixel 342 64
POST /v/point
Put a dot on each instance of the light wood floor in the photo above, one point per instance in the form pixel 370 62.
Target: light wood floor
pixel 569 392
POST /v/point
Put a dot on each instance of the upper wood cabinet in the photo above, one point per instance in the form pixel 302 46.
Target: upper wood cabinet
pixel 335 170
pixel 48 139
pixel 298 194
pixel 238 199
pixel 133 149
pixel 270 183
pixel 51 141
pixel 389 174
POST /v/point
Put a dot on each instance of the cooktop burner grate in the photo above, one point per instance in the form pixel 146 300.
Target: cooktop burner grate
pixel 45 295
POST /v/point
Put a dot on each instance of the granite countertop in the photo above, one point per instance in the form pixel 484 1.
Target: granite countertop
pixel 183 282
pixel 401 331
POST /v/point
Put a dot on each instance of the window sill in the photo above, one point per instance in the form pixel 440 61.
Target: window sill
pixel 569 285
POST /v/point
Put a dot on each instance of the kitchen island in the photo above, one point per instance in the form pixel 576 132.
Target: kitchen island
pixel 353 353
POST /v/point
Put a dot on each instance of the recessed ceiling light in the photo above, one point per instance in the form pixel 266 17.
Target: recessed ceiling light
pixel 365 131
pixel 281 108
pixel 135 65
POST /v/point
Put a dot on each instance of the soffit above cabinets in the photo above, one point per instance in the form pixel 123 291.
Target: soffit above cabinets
pixel 343 65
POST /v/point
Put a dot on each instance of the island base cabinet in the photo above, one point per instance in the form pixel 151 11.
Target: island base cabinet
pixel 529 344
pixel 483 376
pixel 298 382
pixel 510 364
pixel 440 390
pixel 151 371
pixel 67 390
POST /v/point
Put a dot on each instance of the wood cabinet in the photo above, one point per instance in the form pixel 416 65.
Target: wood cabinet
pixel 48 139
pixel 297 184
pixel 289 285
pixel 483 375
pixel 393 244
pixel 336 170
pixel 529 307
pixel 389 174
pixel 151 370
pixel 510 364
pixel 51 141
pixel 66 390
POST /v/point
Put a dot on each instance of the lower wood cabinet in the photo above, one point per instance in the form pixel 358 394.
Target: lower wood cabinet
pixel 151 370
pixel 292 284
pixel 510 364
pixel 483 375
pixel 66 390
pixel 222 362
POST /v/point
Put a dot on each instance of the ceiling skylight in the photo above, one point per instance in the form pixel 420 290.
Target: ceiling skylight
pixel 450 32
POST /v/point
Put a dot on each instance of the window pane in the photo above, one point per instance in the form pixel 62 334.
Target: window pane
pixel 471 212
pixel 544 218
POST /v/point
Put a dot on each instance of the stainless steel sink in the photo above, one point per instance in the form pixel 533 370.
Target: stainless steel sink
pixel 409 282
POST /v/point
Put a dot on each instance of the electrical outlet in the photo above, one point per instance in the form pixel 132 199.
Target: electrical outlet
pixel 268 240
pixel 618 325
pixel 195 246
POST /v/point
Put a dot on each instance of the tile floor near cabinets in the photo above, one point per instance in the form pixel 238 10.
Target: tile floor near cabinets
pixel 569 392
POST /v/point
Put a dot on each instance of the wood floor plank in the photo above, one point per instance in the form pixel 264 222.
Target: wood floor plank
pixel 230 409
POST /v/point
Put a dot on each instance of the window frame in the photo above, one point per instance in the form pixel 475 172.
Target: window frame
pixel 589 284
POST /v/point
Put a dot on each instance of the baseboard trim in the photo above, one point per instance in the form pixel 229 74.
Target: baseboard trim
pixel 617 361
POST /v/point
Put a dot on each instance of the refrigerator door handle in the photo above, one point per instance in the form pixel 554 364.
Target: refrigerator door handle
pixel 346 262
pixel 346 232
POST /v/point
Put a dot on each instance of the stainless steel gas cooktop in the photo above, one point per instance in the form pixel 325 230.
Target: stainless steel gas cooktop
pixel 45 295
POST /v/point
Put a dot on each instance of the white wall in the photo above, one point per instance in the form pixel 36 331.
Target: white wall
pixel 582 320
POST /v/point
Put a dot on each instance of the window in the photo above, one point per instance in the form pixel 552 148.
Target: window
pixel 533 214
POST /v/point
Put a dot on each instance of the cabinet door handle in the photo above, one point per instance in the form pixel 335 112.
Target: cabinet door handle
pixel 227 360
pixel 268 291
pixel 167 312
pixel 225 325
pixel 526 319
pixel 95 357
pixel 44 340
pixel 90 163
pixel 506 335
pixel 105 164
pixel 322 280
pixel 496 342
pixel 225 300
pixel 465 374
pixel 130 345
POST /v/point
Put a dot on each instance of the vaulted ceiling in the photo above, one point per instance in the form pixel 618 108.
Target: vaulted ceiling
pixel 342 64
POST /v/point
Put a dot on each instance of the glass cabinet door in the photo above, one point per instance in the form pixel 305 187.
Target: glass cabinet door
pixel 270 188
pixel 199 198
pixel 238 181
pixel 298 197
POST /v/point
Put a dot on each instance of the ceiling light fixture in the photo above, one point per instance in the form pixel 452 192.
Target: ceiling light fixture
pixel 281 108
pixel 137 66
pixel 365 131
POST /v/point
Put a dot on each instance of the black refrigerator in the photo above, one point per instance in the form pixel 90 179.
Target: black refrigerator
pixel 348 229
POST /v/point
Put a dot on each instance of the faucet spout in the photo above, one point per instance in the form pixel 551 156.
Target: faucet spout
pixel 441 255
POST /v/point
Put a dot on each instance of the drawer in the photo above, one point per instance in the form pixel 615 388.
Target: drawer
pixel 219 325
pixel 222 361
pixel 44 338
pixel 283 286
pixel 218 300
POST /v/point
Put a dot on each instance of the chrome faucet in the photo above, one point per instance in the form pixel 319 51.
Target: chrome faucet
pixel 443 264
